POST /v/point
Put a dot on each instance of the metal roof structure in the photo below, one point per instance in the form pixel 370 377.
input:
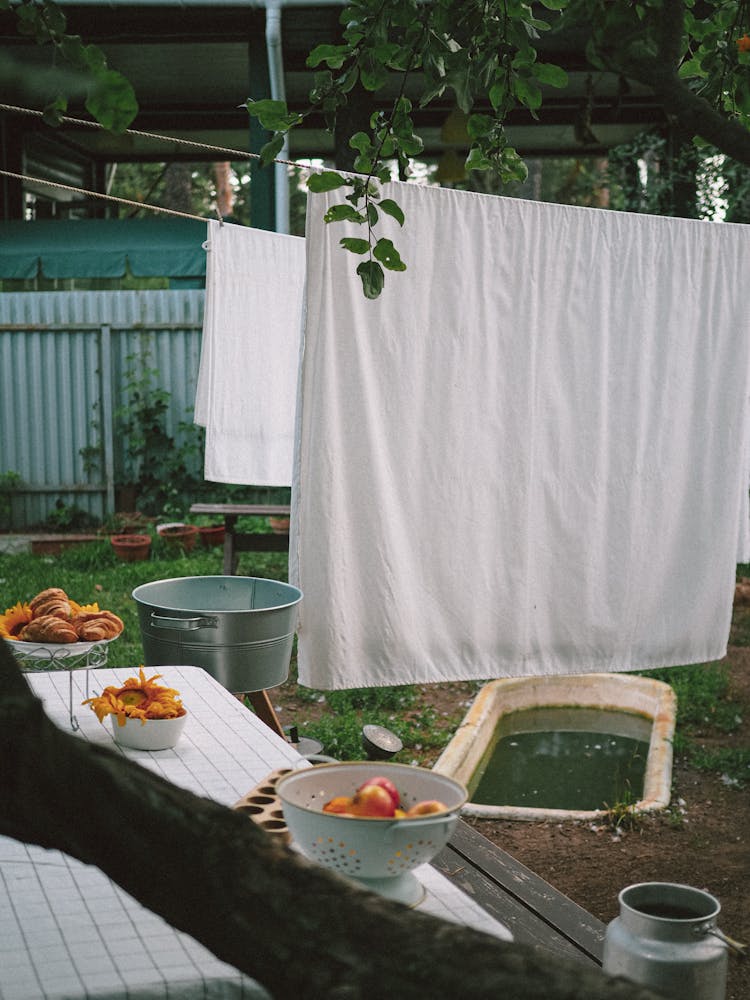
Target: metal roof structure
pixel 194 64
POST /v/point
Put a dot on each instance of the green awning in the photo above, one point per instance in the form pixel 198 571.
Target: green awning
pixel 103 248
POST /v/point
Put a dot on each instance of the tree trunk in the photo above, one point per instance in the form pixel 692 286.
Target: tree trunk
pixel 224 189
pixel 295 927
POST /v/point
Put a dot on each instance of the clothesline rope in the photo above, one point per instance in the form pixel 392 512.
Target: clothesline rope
pixel 104 197
pixel 235 153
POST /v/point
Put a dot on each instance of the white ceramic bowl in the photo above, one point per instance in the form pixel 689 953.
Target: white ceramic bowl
pixel 153 734
pixel 363 847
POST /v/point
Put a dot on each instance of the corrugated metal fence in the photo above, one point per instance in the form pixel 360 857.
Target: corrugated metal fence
pixel 68 361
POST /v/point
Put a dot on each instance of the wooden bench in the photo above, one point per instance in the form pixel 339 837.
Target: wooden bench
pixel 535 912
pixel 242 541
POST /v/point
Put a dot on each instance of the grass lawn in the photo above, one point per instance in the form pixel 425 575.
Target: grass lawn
pixel 91 572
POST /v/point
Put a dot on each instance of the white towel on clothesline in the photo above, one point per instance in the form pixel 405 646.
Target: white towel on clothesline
pixel 247 381
pixel 529 455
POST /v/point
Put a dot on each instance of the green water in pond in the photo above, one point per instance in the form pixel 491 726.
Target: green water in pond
pixel 564 758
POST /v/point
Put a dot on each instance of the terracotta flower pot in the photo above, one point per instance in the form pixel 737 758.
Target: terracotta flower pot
pixel 131 548
pixel 182 535
pixel 211 534
pixel 279 525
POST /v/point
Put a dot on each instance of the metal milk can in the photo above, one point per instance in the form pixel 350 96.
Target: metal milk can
pixel 666 938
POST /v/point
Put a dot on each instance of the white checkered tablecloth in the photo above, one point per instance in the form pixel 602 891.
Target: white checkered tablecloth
pixel 67 931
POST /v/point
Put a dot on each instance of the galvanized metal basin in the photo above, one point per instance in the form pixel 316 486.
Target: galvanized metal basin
pixel 240 629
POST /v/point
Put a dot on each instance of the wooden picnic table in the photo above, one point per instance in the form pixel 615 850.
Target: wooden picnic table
pixel 243 541
pixel 533 910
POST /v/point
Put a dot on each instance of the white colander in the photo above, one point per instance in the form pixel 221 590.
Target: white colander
pixel 380 852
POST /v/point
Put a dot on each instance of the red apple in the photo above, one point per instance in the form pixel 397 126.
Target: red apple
pixel 388 785
pixel 372 800
pixel 426 807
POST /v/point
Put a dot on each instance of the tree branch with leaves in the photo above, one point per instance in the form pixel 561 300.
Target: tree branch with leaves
pixel 486 53
pixel 110 98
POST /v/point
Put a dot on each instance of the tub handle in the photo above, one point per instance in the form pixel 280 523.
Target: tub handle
pixel 736 946
pixel 187 624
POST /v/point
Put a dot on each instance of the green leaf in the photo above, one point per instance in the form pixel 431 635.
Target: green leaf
pixel 498 93
pixel 54 111
pixel 28 20
pixel 528 92
pixel 348 78
pixel 550 74
pixel 389 206
pixel 355 245
pixel 372 73
pixel 111 101
pixel 555 4
pixel 387 148
pixel 328 180
pixel 272 115
pixel 91 57
pixel 372 214
pixel 333 55
pixel 690 68
pixel 387 254
pixel 476 160
pixel 411 145
pixel 344 213
pixel 271 149
pixel 54 20
pixel 363 164
pixel 478 125
pixel 512 167
pixel 372 277
pixel 362 142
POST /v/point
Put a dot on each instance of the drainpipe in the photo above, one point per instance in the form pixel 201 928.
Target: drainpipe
pixel 278 93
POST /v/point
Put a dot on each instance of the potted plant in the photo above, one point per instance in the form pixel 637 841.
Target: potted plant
pixel 211 534
pixel 178 534
pixel 210 530
pixel 131 547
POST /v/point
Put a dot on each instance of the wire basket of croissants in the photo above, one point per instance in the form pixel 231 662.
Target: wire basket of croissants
pixel 53 617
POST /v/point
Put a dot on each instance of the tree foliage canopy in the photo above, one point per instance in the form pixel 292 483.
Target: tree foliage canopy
pixel 694 57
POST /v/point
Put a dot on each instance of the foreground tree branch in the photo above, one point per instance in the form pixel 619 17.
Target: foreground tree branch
pixel 691 112
pixel 254 903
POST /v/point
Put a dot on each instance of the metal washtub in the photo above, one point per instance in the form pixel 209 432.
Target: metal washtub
pixel 240 629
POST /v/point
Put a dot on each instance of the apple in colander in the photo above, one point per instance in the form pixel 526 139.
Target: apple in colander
pixel 388 785
pixel 372 800
pixel 426 807
pixel 379 797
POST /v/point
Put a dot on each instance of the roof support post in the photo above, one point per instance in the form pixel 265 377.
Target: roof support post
pixel 278 93
pixel 262 180
pixel 11 158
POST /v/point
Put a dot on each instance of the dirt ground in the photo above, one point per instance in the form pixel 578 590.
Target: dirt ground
pixel 703 840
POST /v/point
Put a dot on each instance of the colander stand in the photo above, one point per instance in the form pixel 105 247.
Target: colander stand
pixel 405 888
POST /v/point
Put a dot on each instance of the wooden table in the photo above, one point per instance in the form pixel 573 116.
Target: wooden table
pixel 68 932
pixel 535 912
pixel 241 541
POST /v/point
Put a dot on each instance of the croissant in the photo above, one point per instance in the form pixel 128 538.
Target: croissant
pixel 48 628
pixel 52 601
pixel 94 626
